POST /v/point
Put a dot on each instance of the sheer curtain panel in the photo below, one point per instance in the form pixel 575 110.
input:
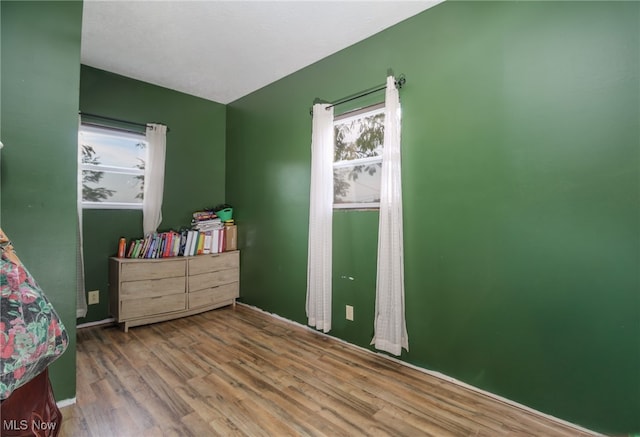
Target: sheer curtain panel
pixel 390 331
pixel 81 297
pixel 318 304
pixel 154 177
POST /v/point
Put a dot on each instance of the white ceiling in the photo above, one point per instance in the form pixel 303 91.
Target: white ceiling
pixel 223 50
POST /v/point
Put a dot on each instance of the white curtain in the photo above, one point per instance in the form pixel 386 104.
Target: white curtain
pixel 320 219
pixel 154 177
pixel 390 331
pixel 81 297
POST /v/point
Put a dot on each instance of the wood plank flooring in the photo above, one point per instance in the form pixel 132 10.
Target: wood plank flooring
pixel 242 372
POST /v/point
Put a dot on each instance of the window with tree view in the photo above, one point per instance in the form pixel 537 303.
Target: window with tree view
pixel 359 137
pixel 112 168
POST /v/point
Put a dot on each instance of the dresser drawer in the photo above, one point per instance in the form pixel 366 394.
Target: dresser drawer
pixel 213 263
pixel 153 269
pixel 212 296
pixel 152 287
pixel 213 279
pixel 148 306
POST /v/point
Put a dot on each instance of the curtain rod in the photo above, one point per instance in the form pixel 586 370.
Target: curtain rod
pixel 399 81
pixel 117 120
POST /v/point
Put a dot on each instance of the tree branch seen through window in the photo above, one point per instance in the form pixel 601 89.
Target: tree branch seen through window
pixel 358 159
pixel 112 166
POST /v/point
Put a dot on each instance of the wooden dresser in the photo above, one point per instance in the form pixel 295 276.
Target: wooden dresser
pixel 143 291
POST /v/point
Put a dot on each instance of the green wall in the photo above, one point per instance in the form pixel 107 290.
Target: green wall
pixel 521 187
pixel 38 119
pixel 194 169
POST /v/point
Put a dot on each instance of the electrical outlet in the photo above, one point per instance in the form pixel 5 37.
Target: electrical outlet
pixel 94 297
pixel 349 311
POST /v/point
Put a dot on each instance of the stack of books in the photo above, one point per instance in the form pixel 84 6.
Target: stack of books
pixel 156 245
pixel 210 232
pixel 207 235
pixel 203 216
pixel 205 221
pixel 186 243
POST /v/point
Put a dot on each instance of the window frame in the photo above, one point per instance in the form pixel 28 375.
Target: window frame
pixel 116 132
pixel 355 114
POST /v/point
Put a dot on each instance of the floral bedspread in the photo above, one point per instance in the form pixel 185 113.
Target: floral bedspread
pixel 31 333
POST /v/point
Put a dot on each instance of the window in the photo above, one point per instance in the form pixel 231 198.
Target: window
pixel 357 161
pixel 112 168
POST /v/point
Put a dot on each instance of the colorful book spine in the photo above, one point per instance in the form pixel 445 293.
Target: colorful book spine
pixel 200 249
pixel 166 252
pixel 137 249
pixel 132 245
pixel 183 243
pixel 176 244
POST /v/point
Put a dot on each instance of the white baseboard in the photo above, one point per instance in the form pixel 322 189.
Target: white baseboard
pixel 432 373
pixel 66 402
pixel 97 323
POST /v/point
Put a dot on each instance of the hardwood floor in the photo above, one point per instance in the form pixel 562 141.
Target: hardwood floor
pixel 242 372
